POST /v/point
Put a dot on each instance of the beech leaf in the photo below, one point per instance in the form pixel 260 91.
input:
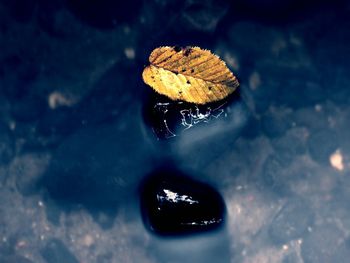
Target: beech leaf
pixel 189 74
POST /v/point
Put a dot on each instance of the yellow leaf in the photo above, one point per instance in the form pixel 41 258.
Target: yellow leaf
pixel 190 74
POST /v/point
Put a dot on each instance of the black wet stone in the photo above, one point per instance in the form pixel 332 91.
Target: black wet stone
pixel 173 204
pixel 168 118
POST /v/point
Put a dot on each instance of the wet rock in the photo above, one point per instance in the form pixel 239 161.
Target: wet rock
pixel 169 118
pixel 56 252
pixel 291 222
pixel 173 204
pixel 322 144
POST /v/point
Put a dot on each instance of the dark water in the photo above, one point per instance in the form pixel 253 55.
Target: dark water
pixel 79 132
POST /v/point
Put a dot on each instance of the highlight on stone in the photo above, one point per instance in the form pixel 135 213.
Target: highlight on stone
pixel 189 74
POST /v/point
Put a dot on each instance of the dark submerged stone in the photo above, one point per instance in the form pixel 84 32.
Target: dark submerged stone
pixel 174 204
pixel 168 118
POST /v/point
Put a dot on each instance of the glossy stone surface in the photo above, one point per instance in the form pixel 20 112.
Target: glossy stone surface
pixel 173 204
pixel 168 118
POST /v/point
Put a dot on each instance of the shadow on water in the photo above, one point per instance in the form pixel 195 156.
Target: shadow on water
pixel 97 168
pixel 110 99
pixel 100 158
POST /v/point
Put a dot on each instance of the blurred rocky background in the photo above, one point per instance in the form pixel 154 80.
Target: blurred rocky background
pixel 75 146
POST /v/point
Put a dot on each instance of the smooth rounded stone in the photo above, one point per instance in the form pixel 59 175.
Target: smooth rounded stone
pixel 291 222
pixel 322 144
pixel 169 118
pixel 173 204
pixel 55 251
pixel 326 243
